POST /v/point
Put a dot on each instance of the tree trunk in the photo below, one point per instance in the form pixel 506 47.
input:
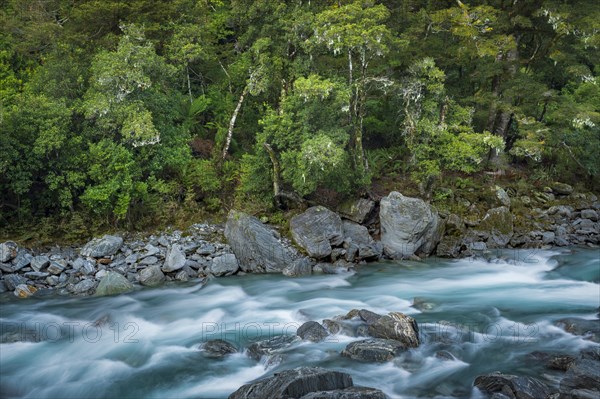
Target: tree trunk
pixel 232 122
pixel 276 170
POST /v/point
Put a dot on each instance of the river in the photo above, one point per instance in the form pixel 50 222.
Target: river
pixel 488 314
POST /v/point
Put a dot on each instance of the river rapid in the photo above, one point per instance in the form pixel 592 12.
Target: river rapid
pixel 488 314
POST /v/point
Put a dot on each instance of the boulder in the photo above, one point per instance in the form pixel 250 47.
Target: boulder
pixel 224 265
pixel 374 350
pixel 83 286
pixel 8 250
pixel 359 235
pixel 513 386
pixel 561 188
pixel 312 331
pixel 22 260
pixel 299 267
pixel 497 225
pixel 348 393
pixel 579 326
pixel 56 268
pixel 39 262
pixel 502 196
pixel 13 280
pixel 409 226
pixel 589 214
pixel 357 210
pixel 175 259
pixel 583 374
pixel 113 283
pixel 151 276
pixel 396 326
pixel 255 245
pixel 24 290
pixel 317 230
pixel 218 348
pixel 270 346
pixel 294 383
pixel 102 247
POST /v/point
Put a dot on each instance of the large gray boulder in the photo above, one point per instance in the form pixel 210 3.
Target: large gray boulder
pixel 255 245
pixel 409 226
pixel 151 276
pixel 294 383
pixel 112 284
pixel 102 247
pixel 396 326
pixel 299 267
pixel 348 393
pixel 224 265
pixel 317 230
pixel 359 235
pixel 374 350
pixel 8 250
pixel 312 331
pixel 497 225
pixel 175 259
pixel 512 386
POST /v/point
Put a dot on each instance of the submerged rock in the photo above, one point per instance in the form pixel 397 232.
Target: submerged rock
pixel 270 346
pixel 317 230
pixel 294 383
pixel 218 348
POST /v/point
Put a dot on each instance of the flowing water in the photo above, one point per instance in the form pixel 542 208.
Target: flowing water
pixel 488 314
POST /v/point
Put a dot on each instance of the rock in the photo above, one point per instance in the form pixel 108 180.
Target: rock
pixel 8 250
pixel 498 225
pixel 22 260
pixel 449 247
pixel 113 283
pixel 13 280
pixel 151 276
pixel 151 250
pixel 294 383
pixel 24 290
pixel 182 276
pixel 224 265
pixel 218 348
pixel 357 210
pixel 102 247
pixel 270 346
pixel 299 267
pixel 255 245
pixel 175 259
pixel 374 350
pixel 513 386
pixel 583 374
pixel 83 286
pixel 36 275
pixel 560 362
pixel 348 393
pixel 132 259
pixel 317 230
pixel 149 260
pixel 206 249
pixel 39 262
pixel 408 226
pixel 100 274
pixel 502 196
pixel 561 188
pixel 589 214
pixel 359 235
pixel 583 327
pixel 6 268
pixel 548 237
pixel 396 326
pixel 55 268
pixel 312 331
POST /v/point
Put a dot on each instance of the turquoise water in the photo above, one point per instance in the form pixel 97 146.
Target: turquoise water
pixel 488 315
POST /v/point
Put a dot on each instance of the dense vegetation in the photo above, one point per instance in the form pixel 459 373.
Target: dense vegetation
pixel 127 111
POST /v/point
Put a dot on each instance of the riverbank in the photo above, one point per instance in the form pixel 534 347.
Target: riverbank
pixel 317 240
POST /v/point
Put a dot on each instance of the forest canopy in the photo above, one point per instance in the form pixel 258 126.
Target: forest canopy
pixel 120 109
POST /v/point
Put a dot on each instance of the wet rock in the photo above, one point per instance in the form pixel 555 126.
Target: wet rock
pixel 224 265
pixel 218 348
pixel 175 259
pixel 583 327
pixel 317 230
pixel 8 250
pixel 151 276
pixel 423 304
pixel 584 374
pixel 348 393
pixel 270 346
pixel 113 283
pixel 560 362
pixel 255 245
pixel 102 247
pixel 512 386
pixel 561 188
pixel 83 286
pixel 182 276
pixel 359 235
pixel 374 350
pixel 312 331
pixel 39 262
pixel 396 326
pixel 299 267
pixel 409 226
pixel 294 383
pixel 24 290
pixel 357 210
